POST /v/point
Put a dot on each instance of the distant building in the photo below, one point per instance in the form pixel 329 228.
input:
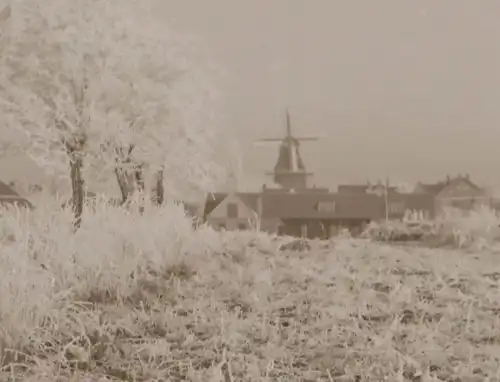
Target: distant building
pixel 232 211
pixel 297 209
pixel 458 192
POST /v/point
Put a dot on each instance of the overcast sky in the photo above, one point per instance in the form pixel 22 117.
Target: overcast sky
pixel 406 88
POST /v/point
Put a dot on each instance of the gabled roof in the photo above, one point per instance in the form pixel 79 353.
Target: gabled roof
pixel 213 200
pixel 250 199
pixel 432 189
pixel 6 190
pixel 436 188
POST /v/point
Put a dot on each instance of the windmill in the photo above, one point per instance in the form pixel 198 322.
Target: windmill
pixel 289 171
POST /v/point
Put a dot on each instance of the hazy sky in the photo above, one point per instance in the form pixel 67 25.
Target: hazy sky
pixel 406 88
pixel 403 87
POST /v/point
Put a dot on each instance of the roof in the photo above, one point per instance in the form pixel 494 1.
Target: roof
pixel 433 189
pixel 352 188
pixel 309 190
pixel 437 188
pixel 6 190
pixel 305 206
pixel 362 188
pixel 212 201
pixel 250 199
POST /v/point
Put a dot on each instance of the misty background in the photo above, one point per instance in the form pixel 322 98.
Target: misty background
pixel 398 88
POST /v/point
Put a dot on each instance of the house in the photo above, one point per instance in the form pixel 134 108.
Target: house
pixel 237 210
pixel 458 192
pixel 8 197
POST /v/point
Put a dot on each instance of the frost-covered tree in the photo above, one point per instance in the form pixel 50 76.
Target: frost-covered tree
pixel 105 81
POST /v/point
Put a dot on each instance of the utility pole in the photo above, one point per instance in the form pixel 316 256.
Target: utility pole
pixel 386 197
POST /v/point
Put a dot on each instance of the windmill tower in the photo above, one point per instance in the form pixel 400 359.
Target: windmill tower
pixel 289 171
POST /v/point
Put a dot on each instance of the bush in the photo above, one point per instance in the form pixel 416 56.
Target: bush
pixel 475 229
pixel 398 231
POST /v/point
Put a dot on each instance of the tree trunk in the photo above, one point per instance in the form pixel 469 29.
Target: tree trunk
pixel 159 189
pixel 76 163
pixel 139 181
pixel 121 178
pixel 122 174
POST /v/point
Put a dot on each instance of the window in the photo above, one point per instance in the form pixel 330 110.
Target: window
pixel 326 207
pixel 232 210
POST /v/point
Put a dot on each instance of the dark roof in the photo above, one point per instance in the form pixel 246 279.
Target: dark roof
pixel 309 190
pixel 352 188
pixel 6 190
pixel 212 201
pixel 362 188
pixel 250 199
pixel 305 206
pixel 433 189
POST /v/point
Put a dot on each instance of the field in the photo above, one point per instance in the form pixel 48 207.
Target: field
pixel 131 302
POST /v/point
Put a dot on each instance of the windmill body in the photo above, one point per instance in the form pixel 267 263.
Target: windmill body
pixel 290 172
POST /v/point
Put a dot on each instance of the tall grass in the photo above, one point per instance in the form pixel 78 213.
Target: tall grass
pixel 135 296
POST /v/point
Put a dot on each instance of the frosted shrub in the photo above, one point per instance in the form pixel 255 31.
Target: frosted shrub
pixel 44 264
pixel 466 228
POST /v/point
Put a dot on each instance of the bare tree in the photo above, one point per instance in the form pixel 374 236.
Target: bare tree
pixel 105 80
